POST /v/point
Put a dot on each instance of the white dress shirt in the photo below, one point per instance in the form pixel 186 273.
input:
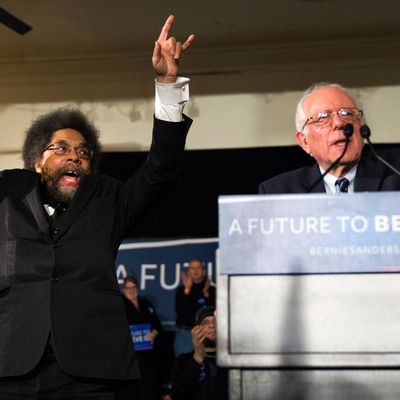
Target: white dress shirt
pixel 170 99
pixel 330 181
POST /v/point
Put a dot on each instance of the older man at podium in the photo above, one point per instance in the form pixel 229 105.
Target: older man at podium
pixel 329 124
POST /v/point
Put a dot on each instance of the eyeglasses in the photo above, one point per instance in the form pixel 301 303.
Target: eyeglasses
pixel 62 149
pixel 130 287
pixel 323 118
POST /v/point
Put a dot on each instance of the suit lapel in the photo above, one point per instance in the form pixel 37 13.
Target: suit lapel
pixel 82 196
pixel 368 178
pixel 311 177
pixel 34 202
pixel 369 174
pixel 28 189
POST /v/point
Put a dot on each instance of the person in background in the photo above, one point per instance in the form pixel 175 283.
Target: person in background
pixel 140 312
pixel 196 375
pixel 195 294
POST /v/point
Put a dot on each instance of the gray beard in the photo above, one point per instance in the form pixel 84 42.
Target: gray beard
pixel 56 195
pixel 53 191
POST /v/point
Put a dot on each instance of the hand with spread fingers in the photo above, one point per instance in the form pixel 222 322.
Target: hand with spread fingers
pixel 206 289
pixel 199 334
pixel 186 280
pixel 168 53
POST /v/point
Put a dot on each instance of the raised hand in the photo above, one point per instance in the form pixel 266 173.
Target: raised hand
pixel 206 289
pixel 168 53
pixel 186 280
pixel 199 334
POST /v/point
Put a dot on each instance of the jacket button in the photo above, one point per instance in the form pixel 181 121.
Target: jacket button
pixel 56 245
pixel 54 279
pixel 56 231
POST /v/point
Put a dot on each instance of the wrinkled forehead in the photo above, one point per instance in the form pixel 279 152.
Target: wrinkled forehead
pixel 67 135
pixel 329 99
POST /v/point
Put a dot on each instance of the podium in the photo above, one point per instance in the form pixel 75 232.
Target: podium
pixel 308 296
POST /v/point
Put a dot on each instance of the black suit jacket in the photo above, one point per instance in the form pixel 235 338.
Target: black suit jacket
pixel 61 280
pixel 372 176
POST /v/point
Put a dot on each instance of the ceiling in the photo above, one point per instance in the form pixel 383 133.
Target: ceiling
pixel 85 27
pixel 86 50
pixel 276 45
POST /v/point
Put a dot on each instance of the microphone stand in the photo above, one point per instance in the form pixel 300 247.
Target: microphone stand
pixel 348 132
pixel 366 133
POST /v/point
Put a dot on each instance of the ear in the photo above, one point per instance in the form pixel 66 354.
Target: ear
pixel 302 141
pixel 38 166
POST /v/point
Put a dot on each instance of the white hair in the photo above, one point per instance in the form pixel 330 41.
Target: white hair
pixel 300 118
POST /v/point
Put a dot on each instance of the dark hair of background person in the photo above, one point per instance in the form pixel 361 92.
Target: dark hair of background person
pixel 131 279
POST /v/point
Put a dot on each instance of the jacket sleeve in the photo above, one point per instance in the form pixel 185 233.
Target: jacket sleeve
pixel 211 299
pixel 182 302
pixel 162 165
pixel 153 317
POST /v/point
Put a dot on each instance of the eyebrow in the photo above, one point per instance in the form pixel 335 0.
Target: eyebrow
pixel 62 141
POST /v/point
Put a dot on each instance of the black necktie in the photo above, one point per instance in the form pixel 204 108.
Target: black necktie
pixel 343 184
pixel 58 210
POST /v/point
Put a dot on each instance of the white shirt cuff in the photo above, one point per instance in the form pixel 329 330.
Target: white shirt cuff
pixel 170 99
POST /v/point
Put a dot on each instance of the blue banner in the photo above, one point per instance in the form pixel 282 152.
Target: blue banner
pixel 157 266
pixel 313 233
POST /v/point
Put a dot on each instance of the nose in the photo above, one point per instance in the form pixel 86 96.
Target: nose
pixel 213 323
pixel 337 122
pixel 73 156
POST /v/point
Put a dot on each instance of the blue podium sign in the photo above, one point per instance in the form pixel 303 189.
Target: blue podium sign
pixel 308 234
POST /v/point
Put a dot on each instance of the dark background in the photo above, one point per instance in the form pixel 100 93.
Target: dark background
pixel 190 206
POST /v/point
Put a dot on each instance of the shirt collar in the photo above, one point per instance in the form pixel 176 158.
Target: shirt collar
pixel 330 180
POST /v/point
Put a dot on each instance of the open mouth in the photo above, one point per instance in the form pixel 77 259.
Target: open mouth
pixel 70 178
pixel 340 142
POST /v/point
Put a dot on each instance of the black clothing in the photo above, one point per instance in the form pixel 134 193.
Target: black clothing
pixel 149 384
pixel 61 279
pixel 192 381
pixel 187 305
pixel 145 314
pixel 371 176
pixel 48 379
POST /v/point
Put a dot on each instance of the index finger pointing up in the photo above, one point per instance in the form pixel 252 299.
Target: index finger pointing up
pixel 165 29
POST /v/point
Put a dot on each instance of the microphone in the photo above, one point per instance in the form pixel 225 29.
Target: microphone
pixel 366 133
pixel 348 130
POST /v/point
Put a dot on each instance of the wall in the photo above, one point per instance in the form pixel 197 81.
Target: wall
pixel 239 98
